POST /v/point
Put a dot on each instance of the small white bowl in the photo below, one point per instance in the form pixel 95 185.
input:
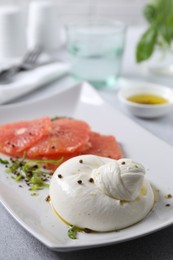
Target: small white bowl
pixel 147 110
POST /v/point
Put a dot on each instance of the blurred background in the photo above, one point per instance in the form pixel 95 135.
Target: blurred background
pixel 129 11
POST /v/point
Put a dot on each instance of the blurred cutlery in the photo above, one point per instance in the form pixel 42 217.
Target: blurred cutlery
pixel 29 62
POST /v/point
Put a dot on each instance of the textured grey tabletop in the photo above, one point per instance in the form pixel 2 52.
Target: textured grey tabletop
pixel 16 243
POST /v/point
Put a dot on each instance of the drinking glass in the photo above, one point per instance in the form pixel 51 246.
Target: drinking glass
pixel 95 49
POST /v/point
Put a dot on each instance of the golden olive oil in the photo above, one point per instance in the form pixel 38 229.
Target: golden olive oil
pixel 148 99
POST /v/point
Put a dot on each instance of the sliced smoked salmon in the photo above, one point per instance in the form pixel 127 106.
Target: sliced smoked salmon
pixel 17 137
pixel 66 136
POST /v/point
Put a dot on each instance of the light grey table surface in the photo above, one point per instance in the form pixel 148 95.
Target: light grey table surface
pixel 17 244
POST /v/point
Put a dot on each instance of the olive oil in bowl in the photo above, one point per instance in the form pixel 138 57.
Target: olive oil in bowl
pixel 148 99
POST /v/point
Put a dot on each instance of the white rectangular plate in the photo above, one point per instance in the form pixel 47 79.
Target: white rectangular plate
pixel 83 102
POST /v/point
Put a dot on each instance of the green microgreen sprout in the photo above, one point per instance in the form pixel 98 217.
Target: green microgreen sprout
pixel 2 161
pixel 60 117
pixel 72 232
pixel 33 172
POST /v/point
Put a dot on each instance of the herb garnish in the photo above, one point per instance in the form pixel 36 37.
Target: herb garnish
pixel 60 117
pixel 33 172
pixel 72 232
pixel 2 161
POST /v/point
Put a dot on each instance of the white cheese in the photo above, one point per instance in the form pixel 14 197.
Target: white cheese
pixel 101 194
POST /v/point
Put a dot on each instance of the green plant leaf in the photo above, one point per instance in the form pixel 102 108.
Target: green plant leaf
pixel 145 46
pixel 166 34
pixel 150 12
pixel 159 14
